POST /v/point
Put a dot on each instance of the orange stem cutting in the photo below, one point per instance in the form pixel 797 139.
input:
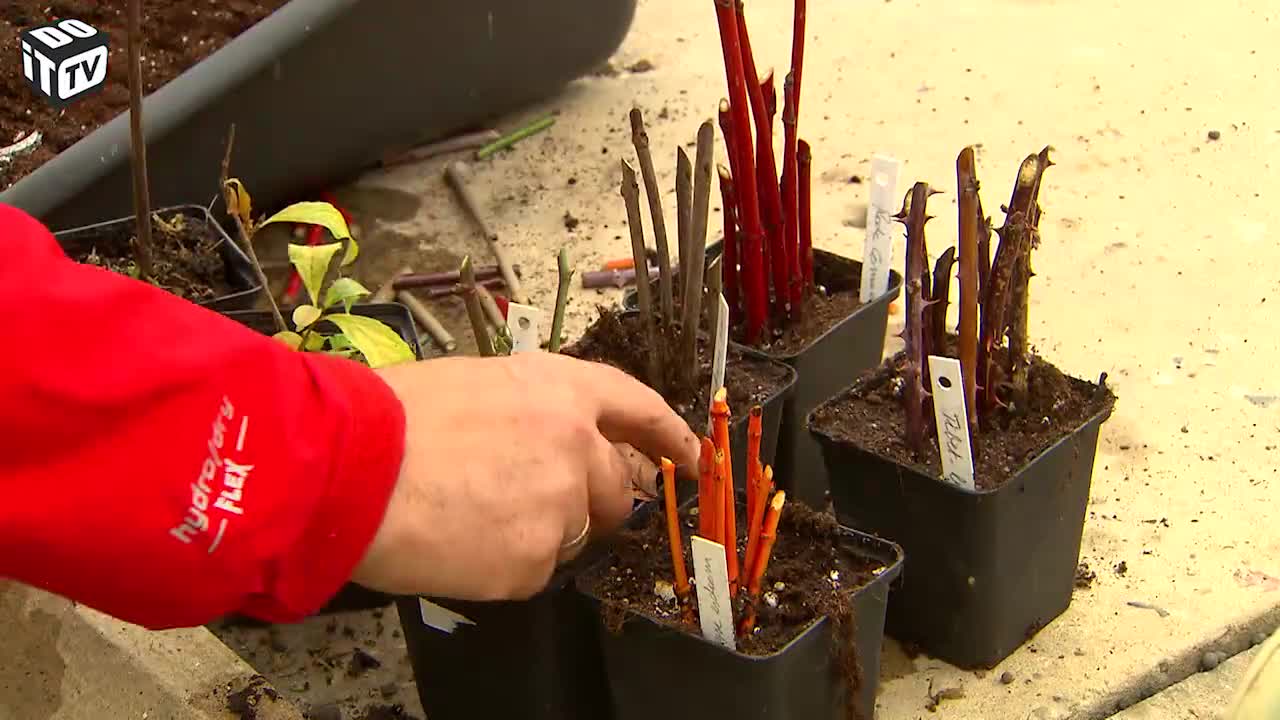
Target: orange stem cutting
pixel 706 486
pixel 716 525
pixel 769 533
pixel 673 535
pixel 754 431
pixel 728 534
pixel 755 522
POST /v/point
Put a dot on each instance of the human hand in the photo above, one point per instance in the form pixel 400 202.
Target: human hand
pixel 505 460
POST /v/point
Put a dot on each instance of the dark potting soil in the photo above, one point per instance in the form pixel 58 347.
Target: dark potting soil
pixel 620 340
pixel 186 260
pixel 871 417
pixel 177 35
pixel 835 297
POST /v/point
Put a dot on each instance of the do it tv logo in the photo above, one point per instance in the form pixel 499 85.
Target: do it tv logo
pixel 64 61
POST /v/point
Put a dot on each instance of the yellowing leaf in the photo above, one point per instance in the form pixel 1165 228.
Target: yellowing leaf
pixel 304 315
pixel 345 291
pixel 314 342
pixel 292 339
pixel 324 215
pixel 238 201
pixel 312 262
pixel 378 343
pixel 339 342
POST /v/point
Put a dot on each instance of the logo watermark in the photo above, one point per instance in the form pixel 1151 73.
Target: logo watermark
pixel 64 61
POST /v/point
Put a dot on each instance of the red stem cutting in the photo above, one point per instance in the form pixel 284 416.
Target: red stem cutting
pixel 744 174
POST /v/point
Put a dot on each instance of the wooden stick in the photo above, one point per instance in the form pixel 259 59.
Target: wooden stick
pixel 631 196
pixel 387 291
pixel 697 252
pixel 804 161
pixel 768 535
pixel 457 143
pixel 729 247
pixel 454 176
pixel 429 322
pixel 706 487
pixel 640 138
pixel 446 277
pixel 675 540
pixel 484 343
pixel 684 204
pixel 720 426
pixel 138 144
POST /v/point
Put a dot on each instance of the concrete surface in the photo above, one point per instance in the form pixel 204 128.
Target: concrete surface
pixel 1204 696
pixel 1156 267
pixel 66 662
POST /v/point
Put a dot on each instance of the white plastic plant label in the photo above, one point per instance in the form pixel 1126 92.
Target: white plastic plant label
pixel 525 325
pixel 441 618
pixel 714 609
pixel 877 255
pixel 952 420
pixel 720 355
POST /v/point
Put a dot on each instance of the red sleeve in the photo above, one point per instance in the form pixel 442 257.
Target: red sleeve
pixel 164 464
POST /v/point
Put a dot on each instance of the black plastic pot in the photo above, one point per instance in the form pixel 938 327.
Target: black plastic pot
pixel 543 652
pixel 988 568
pixel 824 367
pixel 799 682
pixel 239 271
pixel 300 87
pixel 351 596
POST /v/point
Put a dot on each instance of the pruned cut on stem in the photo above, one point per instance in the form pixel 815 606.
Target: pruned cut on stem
pixel 729 248
pixel 631 196
pixel 640 138
pixel 967 329
pixel 475 313
pixel 565 272
pixel 696 253
pixel 914 215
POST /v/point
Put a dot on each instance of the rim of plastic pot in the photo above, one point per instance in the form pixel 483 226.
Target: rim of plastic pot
pixel 199 105
pixel 242 273
pixel 895 288
pixel 791 374
pixel 893 567
pixel 828 440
